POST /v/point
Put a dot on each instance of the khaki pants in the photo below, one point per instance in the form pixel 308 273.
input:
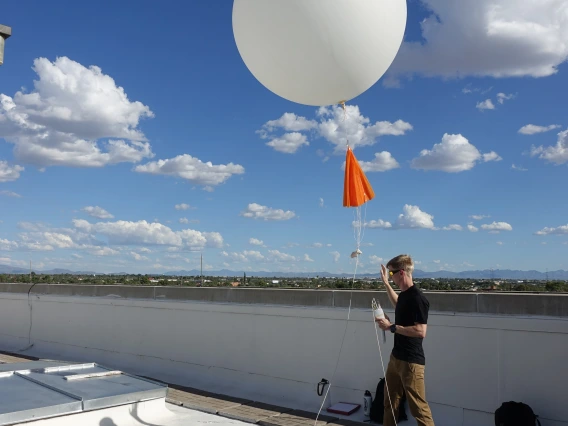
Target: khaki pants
pixel 406 377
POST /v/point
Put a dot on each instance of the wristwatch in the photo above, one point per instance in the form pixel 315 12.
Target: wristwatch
pixel 393 328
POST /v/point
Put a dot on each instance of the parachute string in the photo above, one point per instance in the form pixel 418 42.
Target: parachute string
pixel 357 234
pixel 342 341
pixel 383 365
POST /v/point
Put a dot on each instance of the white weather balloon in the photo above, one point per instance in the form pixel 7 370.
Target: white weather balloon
pixel 318 52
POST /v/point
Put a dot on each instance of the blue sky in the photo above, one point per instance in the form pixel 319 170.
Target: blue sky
pixel 111 111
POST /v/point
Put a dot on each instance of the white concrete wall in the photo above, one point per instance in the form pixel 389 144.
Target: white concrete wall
pixel 278 354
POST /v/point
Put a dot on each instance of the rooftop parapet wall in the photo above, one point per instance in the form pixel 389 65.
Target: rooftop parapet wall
pixel 523 304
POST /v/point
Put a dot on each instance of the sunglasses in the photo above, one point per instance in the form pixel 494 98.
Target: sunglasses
pixel 391 273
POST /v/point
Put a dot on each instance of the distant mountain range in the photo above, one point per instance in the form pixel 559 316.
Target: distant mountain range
pixel 478 274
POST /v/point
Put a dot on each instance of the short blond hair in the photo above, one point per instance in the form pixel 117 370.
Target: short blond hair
pixel 402 261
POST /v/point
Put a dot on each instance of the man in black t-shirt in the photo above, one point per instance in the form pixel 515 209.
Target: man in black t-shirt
pixel 405 372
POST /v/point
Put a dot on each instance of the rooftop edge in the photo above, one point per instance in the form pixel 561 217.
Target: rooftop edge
pixel 541 304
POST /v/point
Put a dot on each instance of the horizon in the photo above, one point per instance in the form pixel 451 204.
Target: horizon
pixel 120 151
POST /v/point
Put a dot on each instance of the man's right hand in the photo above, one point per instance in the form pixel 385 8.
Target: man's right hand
pixel 385 275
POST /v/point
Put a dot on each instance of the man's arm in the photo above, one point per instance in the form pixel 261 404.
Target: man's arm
pixel 417 330
pixel 393 297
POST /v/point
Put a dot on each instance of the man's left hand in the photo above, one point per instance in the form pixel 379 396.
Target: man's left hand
pixel 384 324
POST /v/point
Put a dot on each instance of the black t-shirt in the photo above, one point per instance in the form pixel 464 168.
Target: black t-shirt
pixel 412 307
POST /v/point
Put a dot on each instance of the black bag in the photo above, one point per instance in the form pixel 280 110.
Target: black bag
pixel 378 405
pixel 515 414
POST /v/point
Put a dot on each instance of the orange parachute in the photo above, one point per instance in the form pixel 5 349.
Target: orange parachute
pixel 356 188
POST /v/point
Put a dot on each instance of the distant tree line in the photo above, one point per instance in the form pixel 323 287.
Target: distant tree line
pixel 276 282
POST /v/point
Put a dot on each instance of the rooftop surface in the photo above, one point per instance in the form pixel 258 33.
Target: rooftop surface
pixel 205 407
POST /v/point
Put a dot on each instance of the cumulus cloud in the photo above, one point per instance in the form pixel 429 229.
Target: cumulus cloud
pixel 75 116
pixel 532 129
pixel 486 104
pixel 411 218
pixel 377 224
pixel 495 38
pixel 289 122
pixel 479 216
pixel 183 206
pixel 497 227
pixel 334 125
pixel 452 227
pixel 375 260
pixel 472 228
pixel 336 255
pixel 454 154
pixel 192 169
pixel 9 172
pixel 98 212
pixel 557 154
pixel 256 242
pixel 289 143
pixel 244 256
pixel 257 211
pixel 144 233
pixel 560 230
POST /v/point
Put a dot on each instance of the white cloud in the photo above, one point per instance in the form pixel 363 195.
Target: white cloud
pixel 375 260
pixel 335 125
pixel 491 156
pixel 103 251
pixel 496 227
pixel 98 212
pixel 192 169
pixel 245 256
pixel 183 206
pixel 486 104
pixel 557 154
pixel 183 220
pixel 289 122
pixel 453 227
pixel 10 194
pixel 256 211
pixel 500 243
pixel 142 232
pixel 17 263
pixel 502 97
pixel 307 258
pixel 321 202
pixel 377 224
pixel 336 255
pixel 560 230
pixel 382 162
pixel 256 242
pixel 496 38
pixel 518 168
pixel 7 172
pixel 479 216
pixel 278 256
pixel 7 245
pixel 532 129
pixel 76 116
pixel 289 142
pixel 411 218
pixel 453 155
